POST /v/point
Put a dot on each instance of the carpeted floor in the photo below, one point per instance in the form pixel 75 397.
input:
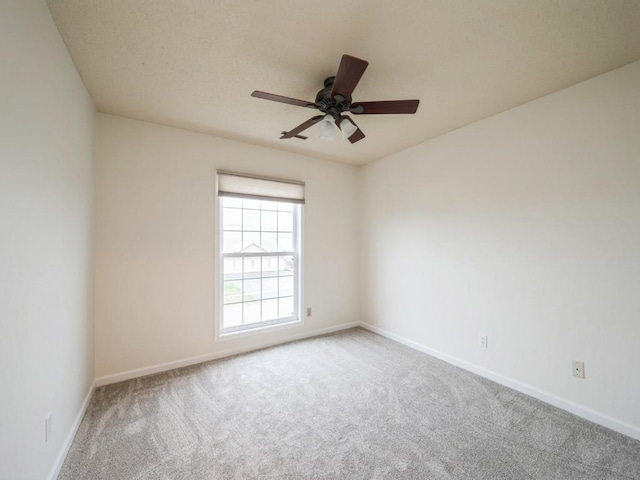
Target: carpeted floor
pixel 352 405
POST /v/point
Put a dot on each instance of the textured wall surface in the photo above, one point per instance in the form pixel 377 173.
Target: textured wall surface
pixel 46 257
pixel 155 241
pixel 524 227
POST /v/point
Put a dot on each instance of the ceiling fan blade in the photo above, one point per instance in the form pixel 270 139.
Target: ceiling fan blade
pixel 385 107
pixel 303 126
pixel 281 99
pixel 357 135
pixel 301 137
pixel 349 73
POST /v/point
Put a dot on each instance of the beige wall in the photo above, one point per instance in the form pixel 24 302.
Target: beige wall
pixel 155 233
pixel 525 227
pixel 46 189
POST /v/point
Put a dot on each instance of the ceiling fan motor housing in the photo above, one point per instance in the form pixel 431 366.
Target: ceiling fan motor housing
pixel 331 106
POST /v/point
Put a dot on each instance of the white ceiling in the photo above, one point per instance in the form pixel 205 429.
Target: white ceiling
pixel 194 63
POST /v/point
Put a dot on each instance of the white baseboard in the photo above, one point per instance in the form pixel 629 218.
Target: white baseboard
pixel 163 367
pixel 57 465
pixel 584 412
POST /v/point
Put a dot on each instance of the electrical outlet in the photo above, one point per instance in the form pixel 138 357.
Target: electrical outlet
pixel 308 311
pixel 484 341
pixel 578 369
pixel 47 428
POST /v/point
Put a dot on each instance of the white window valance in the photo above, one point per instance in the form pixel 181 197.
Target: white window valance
pixel 231 184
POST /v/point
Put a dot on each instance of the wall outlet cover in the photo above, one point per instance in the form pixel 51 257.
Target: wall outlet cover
pixel 578 369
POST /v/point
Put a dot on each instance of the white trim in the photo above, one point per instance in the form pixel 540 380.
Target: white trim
pixel 579 410
pixel 218 294
pixel 163 367
pixel 220 333
pixel 62 455
pixel 260 328
pixel 299 283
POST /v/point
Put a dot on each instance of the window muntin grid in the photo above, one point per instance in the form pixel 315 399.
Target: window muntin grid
pixel 259 258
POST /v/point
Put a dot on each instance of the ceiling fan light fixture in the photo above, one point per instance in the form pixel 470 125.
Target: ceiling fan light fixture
pixel 335 99
pixel 326 129
pixel 347 128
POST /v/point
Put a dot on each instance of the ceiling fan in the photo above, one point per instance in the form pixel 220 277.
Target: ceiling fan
pixel 334 100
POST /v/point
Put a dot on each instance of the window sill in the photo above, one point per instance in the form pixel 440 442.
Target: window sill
pixel 258 329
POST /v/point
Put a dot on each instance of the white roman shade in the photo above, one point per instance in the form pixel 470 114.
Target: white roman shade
pixel 261 188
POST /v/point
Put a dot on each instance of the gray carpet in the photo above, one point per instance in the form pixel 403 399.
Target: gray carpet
pixel 352 405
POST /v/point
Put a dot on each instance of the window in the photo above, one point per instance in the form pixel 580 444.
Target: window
pixel 259 252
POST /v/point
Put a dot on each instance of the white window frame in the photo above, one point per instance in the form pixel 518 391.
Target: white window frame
pixel 297 319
